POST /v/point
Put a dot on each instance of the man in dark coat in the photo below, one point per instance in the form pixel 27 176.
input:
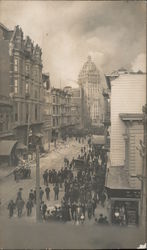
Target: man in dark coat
pixel 11 207
pixel 44 208
pixel 47 191
pixel 56 191
pixel 20 205
pixel 29 206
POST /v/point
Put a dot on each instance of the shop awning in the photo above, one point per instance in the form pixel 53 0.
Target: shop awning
pixel 98 139
pixel 6 147
pixel 21 146
pixel 117 178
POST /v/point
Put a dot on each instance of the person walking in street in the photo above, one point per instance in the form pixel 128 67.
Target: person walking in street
pixel 11 207
pixel 47 191
pixel 31 196
pixel 19 194
pixel 20 205
pixel 41 194
pixel 29 206
pixel 56 191
pixel 44 208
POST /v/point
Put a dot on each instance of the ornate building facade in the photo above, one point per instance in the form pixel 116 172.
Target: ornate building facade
pixel 23 72
pixel 92 100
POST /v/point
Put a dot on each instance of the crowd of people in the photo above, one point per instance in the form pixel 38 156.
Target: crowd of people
pixel 83 188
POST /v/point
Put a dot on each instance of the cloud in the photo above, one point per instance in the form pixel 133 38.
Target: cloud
pixel 113 32
pixel 139 63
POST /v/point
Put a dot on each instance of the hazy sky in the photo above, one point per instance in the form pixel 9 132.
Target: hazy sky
pixel 113 33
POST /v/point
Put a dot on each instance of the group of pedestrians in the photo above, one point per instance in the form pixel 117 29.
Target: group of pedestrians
pixel 83 187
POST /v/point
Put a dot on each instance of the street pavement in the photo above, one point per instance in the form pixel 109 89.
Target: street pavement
pixel 26 233
pixel 55 159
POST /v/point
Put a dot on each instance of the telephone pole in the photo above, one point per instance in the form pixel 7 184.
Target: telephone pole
pixel 37 183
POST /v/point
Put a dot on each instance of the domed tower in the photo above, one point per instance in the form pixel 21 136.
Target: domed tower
pixel 92 101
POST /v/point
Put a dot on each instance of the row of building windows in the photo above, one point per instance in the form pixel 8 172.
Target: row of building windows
pixel 25 112
pixel 18 89
pixel 29 70
pixel 60 100
pixel 61 121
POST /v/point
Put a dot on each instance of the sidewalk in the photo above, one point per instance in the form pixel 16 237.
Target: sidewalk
pixel 5 171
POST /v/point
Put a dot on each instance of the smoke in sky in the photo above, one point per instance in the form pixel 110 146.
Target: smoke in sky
pixel 112 32
pixel 139 63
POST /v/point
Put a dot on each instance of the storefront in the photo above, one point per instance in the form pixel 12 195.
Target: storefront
pixel 125 205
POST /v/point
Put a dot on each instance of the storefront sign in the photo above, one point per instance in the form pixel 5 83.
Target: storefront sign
pixel 124 193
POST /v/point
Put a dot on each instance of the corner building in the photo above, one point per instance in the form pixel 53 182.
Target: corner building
pixel 23 71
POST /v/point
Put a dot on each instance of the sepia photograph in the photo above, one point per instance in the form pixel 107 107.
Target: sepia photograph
pixel 73 124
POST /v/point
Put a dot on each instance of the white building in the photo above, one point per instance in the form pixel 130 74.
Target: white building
pixel 128 95
pixel 92 83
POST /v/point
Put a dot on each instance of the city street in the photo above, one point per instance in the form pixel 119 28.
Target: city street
pixel 55 159
pixel 25 232
pixel 73 123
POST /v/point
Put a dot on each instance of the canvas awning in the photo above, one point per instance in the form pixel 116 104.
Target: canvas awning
pixel 21 146
pixel 98 139
pixel 6 147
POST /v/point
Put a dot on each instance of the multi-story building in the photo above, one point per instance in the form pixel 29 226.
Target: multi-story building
pixel 91 83
pixel 75 106
pixel 61 104
pixel 5 101
pixel 23 71
pixel 128 96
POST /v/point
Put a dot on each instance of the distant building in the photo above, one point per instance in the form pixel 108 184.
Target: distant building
pixel 128 95
pixel 91 83
pixel 75 106
pixel 61 111
pixel 22 71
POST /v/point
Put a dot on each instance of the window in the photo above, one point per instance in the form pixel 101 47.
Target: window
pixel 54 123
pixel 16 64
pixel 27 69
pixel 54 99
pixel 16 112
pixel 36 112
pixel 36 94
pixel 27 112
pixel 53 110
pixel 16 86
pixel 27 88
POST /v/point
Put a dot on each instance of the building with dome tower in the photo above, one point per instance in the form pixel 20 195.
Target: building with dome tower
pixel 92 84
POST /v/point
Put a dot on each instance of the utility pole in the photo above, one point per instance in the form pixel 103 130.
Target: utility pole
pixel 37 184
